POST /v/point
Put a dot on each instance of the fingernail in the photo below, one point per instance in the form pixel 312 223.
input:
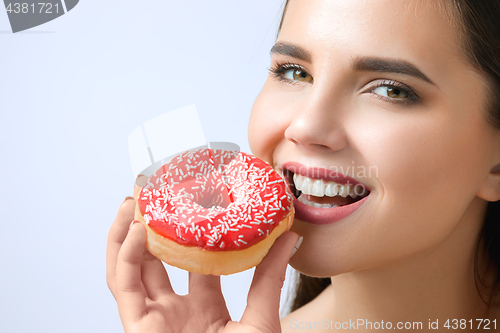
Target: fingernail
pixel 127 198
pixel 131 224
pixel 297 245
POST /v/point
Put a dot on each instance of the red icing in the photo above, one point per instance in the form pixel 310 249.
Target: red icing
pixel 195 206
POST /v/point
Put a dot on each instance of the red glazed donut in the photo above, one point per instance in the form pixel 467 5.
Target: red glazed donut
pixel 214 211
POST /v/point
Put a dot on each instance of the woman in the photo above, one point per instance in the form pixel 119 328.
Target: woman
pixel 404 98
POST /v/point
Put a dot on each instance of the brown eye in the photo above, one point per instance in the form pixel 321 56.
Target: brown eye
pixel 297 75
pixel 394 93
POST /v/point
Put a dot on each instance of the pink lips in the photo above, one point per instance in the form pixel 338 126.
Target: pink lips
pixel 321 216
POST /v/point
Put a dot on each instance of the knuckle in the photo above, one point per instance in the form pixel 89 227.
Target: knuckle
pixel 130 257
pixel 111 286
pixel 129 287
pixel 276 279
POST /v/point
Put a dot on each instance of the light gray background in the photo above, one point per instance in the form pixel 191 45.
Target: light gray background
pixel 71 91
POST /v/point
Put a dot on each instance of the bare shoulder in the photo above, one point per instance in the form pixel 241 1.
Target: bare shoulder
pixel 310 316
pixel 296 320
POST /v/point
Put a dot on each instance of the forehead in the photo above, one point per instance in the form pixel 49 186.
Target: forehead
pixel 421 31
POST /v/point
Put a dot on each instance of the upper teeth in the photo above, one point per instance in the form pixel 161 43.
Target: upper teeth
pixel 320 188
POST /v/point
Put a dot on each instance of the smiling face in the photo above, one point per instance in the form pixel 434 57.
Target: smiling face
pixel 378 91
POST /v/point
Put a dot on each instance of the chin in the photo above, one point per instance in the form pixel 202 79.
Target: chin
pixel 318 256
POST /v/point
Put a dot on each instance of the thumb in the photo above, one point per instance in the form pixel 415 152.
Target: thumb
pixel 263 300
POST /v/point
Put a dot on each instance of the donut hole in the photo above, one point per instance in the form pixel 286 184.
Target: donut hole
pixel 209 200
pixel 207 191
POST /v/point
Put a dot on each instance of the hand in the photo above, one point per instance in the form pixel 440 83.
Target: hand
pixel 148 304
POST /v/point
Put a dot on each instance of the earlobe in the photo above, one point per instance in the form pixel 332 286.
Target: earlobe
pixel 490 189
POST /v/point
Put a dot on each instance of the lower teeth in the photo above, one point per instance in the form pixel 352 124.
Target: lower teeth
pixel 302 198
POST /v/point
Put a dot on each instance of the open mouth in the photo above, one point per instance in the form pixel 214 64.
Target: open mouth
pixel 321 193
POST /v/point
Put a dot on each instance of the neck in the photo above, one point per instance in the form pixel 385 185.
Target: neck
pixel 437 284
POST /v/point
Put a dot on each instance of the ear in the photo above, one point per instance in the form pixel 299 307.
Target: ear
pixel 490 188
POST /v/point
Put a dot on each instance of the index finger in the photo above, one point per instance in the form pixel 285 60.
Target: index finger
pixel 118 232
pixel 116 236
pixel 130 294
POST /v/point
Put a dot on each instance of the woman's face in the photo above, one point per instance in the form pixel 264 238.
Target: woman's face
pixel 379 92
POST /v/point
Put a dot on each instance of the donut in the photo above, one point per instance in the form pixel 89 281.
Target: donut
pixel 212 211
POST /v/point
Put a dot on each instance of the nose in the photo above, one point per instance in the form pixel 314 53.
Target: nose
pixel 317 124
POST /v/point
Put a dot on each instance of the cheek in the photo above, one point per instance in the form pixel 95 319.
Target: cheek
pixel 427 175
pixel 428 160
pixel 267 125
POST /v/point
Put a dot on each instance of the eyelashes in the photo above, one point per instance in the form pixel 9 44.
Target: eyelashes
pixel 281 67
pixel 391 87
pixel 394 87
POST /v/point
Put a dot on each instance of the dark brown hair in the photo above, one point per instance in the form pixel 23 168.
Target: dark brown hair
pixel 479 25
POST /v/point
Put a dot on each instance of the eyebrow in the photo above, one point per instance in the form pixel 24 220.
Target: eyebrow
pixel 291 50
pixel 373 64
pixel 398 66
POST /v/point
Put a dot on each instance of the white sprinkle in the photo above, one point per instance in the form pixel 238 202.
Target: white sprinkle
pixel 240 240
